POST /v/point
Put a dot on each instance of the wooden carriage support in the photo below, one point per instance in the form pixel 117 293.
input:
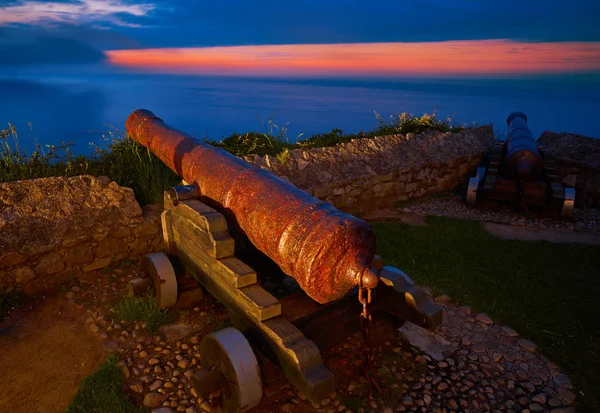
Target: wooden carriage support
pixel 291 332
pixel 329 254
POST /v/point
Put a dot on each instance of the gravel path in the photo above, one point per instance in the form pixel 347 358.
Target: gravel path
pixel 478 366
pixel 586 219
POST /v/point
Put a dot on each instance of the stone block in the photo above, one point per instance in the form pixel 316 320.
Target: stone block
pixel 74 240
pixel 50 264
pixel 97 264
pixel 23 274
pixel 11 258
pixel 121 232
pixel 110 247
pixel 147 228
pixel 79 255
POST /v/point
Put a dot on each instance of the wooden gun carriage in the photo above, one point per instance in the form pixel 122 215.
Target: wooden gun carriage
pixel 290 331
pixel 521 172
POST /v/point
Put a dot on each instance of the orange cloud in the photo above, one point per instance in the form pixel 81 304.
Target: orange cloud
pixel 493 57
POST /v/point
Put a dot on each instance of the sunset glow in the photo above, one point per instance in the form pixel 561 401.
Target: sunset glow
pixel 493 57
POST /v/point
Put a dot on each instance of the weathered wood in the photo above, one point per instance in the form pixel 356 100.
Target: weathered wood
pixel 230 269
pixel 140 286
pixel 217 244
pixel 252 299
pixel 199 213
pixel 167 230
pixel 297 356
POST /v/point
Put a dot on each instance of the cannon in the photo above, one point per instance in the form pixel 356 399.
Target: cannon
pixel 342 286
pixel 522 172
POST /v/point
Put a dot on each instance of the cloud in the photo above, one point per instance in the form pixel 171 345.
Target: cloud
pixel 474 57
pixel 77 12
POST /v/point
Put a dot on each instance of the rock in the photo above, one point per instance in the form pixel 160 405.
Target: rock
pixel 190 298
pixel 442 386
pixel 567 395
pixel 325 401
pixel 154 399
pixel 443 299
pixel 563 410
pixel 510 331
pixel 155 385
pixel 536 407
pixel 527 345
pixel 286 407
pixel 484 319
pixel 109 346
pixel 478 348
pixel 11 258
pixel 426 399
pixel 465 309
pixel 23 274
pixel 136 387
pixel 162 410
pixel 205 406
pixel 431 343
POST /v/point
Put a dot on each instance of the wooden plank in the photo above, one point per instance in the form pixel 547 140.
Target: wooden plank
pixel 199 213
pixel 286 346
pixel 253 299
pixel 217 244
pixel 233 271
pixel 165 220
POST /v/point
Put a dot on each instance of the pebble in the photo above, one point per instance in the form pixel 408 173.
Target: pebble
pixel 484 319
pixel 511 332
pixel 567 395
pixel 154 399
pixel 527 345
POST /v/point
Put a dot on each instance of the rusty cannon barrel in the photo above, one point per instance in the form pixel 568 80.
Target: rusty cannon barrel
pixel 523 161
pixel 328 252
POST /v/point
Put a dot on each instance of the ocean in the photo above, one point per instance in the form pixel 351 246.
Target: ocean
pixel 68 106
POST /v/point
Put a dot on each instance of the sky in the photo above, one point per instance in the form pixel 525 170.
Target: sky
pixel 307 38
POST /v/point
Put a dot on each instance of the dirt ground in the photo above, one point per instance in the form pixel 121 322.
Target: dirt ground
pixel 45 353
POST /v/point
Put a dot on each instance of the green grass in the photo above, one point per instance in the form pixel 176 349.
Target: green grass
pixel 144 309
pixel 124 161
pixel 10 300
pixel 547 292
pixel 102 392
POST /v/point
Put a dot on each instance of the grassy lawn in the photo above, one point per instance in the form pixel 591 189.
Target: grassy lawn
pixel 548 292
pixel 102 392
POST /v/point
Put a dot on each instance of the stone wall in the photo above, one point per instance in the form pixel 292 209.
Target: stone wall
pixel 372 173
pixel 55 228
pixel 578 163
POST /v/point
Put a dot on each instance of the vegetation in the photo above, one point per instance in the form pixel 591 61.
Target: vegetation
pixel 102 392
pixel 124 161
pixel 547 292
pixel 9 301
pixel 276 144
pixel 144 309
pixel 130 164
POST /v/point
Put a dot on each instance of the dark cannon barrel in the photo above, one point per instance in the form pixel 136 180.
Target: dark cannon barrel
pixel 523 161
pixel 326 251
